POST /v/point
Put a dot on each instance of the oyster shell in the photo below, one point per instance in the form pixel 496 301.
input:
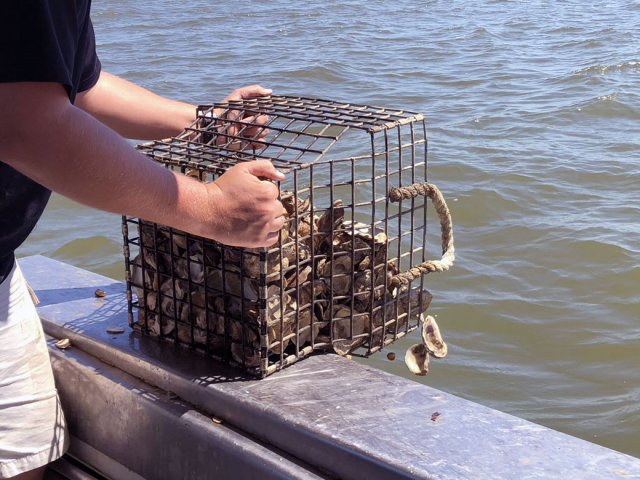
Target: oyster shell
pixel 328 222
pixel 343 322
pixel 179 240
pixel 229 283
pixel 151 301
pixel 411 305
pixel 305 328
pixel 184 335
pixel 362 290
pixel 153 325
pixel 246 356
pixel 417 359
pixel 278 304
pixel 245 344
pixel 305 227
pixel 198 297
pixel 294 205
pixel 432 338
pixel 298 276
pixel 279 336
pixel 337 274
pixel 251 262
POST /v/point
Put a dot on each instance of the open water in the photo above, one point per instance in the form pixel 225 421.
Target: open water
pixel 533 110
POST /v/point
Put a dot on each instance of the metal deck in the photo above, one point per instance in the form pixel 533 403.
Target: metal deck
pixel 147 407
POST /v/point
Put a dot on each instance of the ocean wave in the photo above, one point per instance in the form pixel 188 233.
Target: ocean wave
pixel 631 66
pixel 329 73
pixel 608 106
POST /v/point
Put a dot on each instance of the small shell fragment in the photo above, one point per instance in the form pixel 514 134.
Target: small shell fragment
pixel 100 293
pixel 417 359
pixel 63 343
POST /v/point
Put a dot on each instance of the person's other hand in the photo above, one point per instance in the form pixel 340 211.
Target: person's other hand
pixel 245 199
pixel 239 129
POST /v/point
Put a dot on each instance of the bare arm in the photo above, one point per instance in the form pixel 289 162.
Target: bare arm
pixel 58 145
pixel 133 111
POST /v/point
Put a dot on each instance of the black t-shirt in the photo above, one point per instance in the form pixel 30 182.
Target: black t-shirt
pixel 40 41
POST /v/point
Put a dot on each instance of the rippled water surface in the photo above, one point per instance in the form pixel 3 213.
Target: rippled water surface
pixel 534 136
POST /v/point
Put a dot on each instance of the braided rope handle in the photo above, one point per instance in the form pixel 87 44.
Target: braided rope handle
pixel 397 194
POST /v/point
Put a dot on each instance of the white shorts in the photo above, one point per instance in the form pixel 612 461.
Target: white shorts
pixel 32 427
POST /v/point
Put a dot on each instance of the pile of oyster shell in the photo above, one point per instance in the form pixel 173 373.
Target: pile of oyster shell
pixel 325 286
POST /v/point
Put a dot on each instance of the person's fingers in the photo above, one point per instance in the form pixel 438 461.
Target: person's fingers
pixel 257 133
pixel 237 96
pixel 239 145
pixel 276 224
pixel 254 141
pixel 274 228
pixel 248 128
pixel 264 168
pixel 271 191
pixel 272 239
pixel 255 121
pixel 245 142
pixel 252 91
pixel 248 91
pixel 244 145
pixel 270 232
pixel 236 122
pixel 233 115
pixel 258 119
pixel 227 134
pixel 256 128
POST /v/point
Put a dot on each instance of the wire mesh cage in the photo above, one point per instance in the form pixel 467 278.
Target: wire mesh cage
pixel 346 273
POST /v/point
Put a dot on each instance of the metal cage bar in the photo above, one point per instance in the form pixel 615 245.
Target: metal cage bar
pixel 325 284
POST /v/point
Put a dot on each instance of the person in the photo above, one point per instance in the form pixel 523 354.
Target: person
pixel 63 128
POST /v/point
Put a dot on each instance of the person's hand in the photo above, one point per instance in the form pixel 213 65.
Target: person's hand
pixel 248 212
pixel 239 130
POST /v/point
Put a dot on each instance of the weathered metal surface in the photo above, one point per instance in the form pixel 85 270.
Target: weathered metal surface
pixel 147 433
pixel 353 421
pixel 68 468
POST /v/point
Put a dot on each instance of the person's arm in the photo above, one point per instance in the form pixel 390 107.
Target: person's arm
pixel 133 111
pixel 62 147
